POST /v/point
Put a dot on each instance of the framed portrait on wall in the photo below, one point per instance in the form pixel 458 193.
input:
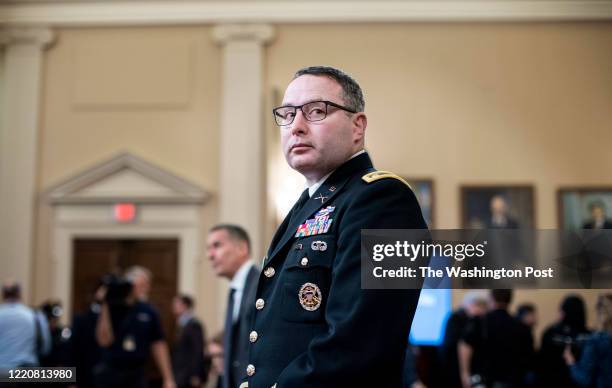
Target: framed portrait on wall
pixel 424 191
pixel 492 206
pixel 585 208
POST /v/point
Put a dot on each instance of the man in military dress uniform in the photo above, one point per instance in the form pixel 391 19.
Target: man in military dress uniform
pixel 314 325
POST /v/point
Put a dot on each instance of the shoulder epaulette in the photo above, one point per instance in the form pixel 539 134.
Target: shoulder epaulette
pixel 377 175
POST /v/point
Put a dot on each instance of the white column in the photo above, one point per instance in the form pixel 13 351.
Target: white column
pixel 242 153
pixel 23 56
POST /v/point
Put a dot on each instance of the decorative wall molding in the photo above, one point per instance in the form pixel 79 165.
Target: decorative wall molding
pixel 168 207
pixel 20 35
pixel 71 221
pixel 172 12
pixel 150 184
pixel 261 33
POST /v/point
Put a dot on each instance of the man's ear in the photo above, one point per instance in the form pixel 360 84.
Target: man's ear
pixel 243 248
pixel 359 122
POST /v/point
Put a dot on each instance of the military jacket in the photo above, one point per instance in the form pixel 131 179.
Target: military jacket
pixel 314 326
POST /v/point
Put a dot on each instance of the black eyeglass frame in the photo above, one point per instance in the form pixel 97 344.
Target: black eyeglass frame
pixel 327 103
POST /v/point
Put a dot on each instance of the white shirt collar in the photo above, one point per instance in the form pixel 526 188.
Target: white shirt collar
pixel 315 186
pixel 239 279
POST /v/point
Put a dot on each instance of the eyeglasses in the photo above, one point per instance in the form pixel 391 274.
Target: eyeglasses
pixel 312 111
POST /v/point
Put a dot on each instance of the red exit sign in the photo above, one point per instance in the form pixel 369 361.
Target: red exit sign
pixel 124 212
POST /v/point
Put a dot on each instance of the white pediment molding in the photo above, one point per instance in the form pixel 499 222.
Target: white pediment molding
pixel 74 13
pixel 125 178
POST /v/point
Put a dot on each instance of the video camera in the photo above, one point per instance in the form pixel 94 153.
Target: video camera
pixel 118 288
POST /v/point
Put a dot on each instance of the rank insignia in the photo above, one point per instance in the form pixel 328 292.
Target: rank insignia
pixel 310 296
pixel 318 225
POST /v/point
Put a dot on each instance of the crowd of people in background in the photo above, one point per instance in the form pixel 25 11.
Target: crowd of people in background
pixel 484 344
pixel 486 347
pixel 113 341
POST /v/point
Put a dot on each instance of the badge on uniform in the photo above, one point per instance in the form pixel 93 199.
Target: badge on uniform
pixel 310 296
pixel 318 246
pixel 318 225
pixel 129 345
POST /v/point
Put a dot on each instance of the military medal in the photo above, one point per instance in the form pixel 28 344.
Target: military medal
pixel 310 296
pixel 318 225
pixel 129 345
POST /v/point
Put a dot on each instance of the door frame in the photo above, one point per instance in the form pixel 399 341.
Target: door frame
pixel 189 249
pixel 168 206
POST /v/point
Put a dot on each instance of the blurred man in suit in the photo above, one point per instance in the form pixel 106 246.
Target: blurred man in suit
pixel 188 363
pixel 229 250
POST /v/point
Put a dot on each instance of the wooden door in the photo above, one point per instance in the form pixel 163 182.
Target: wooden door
pixel 94 258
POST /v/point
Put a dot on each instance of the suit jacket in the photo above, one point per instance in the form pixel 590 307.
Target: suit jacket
pixel 314 326
pixel 237 342
pixel 188 354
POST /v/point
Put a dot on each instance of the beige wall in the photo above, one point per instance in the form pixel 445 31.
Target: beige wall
pixel 2 92
pixel 2 83
pixel 150 91
pixel 153 92
pixel 475 104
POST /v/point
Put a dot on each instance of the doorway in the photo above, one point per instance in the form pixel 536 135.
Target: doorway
pixel 94 258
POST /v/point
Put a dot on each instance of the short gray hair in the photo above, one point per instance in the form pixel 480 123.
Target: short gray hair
pixel 136 270
pixel 352 94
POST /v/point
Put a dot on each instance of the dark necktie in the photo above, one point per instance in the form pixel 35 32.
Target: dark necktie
pixel 229 317
pixel 227 334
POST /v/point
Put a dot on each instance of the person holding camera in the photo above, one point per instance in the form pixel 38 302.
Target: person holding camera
pixel 128 330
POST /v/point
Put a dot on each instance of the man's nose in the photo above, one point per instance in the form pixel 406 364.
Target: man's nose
pixel 299 124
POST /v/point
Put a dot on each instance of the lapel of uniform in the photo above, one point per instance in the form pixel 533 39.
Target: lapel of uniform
pixel 280 232
pixel 329 189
